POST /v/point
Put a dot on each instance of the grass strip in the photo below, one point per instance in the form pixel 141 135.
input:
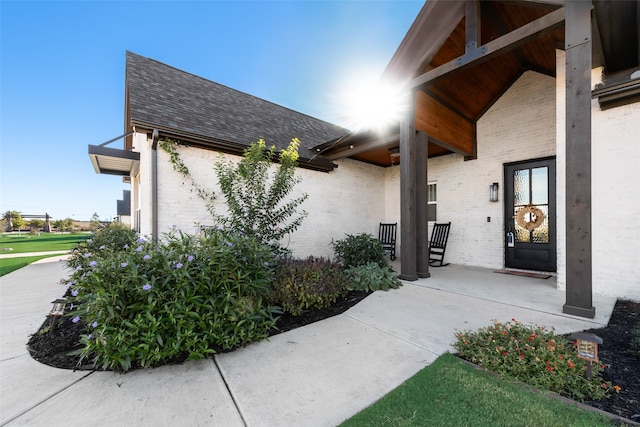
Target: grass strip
pixel 449 392
pixel 7 265
pixel 44 242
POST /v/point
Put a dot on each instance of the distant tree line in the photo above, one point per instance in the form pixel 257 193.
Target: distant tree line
pixel 13 221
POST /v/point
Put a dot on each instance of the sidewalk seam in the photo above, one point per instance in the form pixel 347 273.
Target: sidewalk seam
pixel 226 384
pixel 44 400
pixel 15 357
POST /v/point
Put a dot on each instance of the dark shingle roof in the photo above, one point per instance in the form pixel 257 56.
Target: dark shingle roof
pixel 181 103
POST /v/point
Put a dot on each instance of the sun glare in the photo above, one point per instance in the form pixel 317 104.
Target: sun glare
pixel 372 106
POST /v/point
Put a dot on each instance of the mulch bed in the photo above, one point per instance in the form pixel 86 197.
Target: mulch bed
pixel 53 349
pixel 623 365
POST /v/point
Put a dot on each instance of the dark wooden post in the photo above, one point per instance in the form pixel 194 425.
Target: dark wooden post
pixel 472 25
pixel 408 267
pixel 578 162
pixel 422 229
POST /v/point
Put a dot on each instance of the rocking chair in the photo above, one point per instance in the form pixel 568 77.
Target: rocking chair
pixel 387 236
pixel 438 244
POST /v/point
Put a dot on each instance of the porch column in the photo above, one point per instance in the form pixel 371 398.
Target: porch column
pixel 408 267
pixel 578 158
pixel 422 229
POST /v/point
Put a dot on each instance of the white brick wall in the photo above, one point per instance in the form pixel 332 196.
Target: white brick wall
pixel 615 165
pixel 347 200
pixel 351 199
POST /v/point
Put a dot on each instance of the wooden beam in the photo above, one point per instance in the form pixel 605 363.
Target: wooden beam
pixel 472 24
pixel 422 228
pixel 494 48
pixel 448 147
pixel 435 23
pixel 538 4
pixel 408 266
pixel 448 105
pixel 443 124
pixel 578 159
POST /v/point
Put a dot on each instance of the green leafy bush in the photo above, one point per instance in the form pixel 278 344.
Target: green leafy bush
pixel 361 249
pixel 187 296
pixel 371 277
pixel 302 284
pixel 114 237
pixel 533 355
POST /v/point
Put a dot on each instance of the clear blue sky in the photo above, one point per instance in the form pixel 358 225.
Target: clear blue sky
pixel 63 69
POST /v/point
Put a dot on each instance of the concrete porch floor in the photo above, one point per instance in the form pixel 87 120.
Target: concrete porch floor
pixel 518 291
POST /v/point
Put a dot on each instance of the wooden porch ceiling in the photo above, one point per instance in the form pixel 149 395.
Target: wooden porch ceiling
pixel 447 109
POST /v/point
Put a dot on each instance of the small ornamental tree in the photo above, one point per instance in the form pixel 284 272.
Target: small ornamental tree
pixel 258 201
pixel 65 224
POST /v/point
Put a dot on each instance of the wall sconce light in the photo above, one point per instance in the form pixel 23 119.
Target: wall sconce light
pixel 493 192
pixel 56 311
pixel 394 154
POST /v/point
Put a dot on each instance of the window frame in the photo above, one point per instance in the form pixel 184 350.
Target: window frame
pixel 432 201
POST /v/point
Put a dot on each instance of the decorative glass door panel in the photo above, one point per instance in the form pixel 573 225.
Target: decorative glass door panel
pixel 530 220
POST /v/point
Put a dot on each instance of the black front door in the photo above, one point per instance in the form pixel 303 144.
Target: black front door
pixel 530 209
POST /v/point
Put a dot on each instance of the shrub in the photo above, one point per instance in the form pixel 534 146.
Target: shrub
pixel 259 202
pixel 371 277
pixel 533 355
pixel 114 237
pixel 302 284
pixel 187 296
pixel 353 251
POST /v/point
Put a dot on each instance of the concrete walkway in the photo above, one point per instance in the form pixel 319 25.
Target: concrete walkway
pixel 27 254
pixel 318 375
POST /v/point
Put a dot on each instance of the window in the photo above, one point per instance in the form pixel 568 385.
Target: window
pixel 432 201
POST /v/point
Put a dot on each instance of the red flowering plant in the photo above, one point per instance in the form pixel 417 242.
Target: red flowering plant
pixel 534 355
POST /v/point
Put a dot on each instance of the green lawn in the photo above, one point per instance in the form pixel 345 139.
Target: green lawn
pixel 7 265
pixel 449 392
pixel 44 242
pixel 24 243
